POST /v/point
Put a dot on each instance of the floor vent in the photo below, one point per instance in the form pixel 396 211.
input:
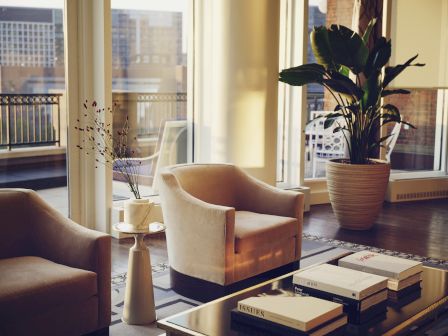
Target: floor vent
pixel 422 195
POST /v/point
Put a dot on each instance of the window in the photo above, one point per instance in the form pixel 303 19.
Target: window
pixel 318 146
pixel 296 162
pixel 32 109
pixel 419 152
pixel 147 88
pixel 418 149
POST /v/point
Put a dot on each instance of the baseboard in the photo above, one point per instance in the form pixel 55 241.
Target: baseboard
pixel 403 190
pixel 318 191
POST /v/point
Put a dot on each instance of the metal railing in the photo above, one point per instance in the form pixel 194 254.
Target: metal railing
pixel 29 120
pixel 148 111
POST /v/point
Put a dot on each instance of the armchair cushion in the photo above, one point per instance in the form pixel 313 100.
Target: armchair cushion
pixel 253 230
pixel 41 285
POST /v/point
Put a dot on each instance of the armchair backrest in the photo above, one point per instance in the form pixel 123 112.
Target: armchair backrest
pixel 15 230
pixel 211 183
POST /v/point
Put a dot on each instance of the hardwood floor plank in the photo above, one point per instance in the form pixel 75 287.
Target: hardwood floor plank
pixel 413 227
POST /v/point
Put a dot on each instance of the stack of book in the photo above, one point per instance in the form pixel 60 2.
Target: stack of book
pixel 363 295
pixel 288 316
pixel 404 276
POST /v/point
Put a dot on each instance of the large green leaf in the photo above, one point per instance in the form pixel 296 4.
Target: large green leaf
pixel 343 70
pixel 344 85
pixel 368 31
pixel 378 57
pixel 303 74
pixel 391 110
pixel 386 93
pixel 331 118
pixel 348 48
pixel 372 90
pixel 394 71
pixel 321 47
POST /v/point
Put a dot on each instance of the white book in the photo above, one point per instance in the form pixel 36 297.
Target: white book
pixel 340 281
pixel 381 264
pixel 397 285
pixel 299 312
pixel 373 300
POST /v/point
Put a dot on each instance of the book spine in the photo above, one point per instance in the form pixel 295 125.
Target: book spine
pixel 267 315
pixel 393 285
pixel 350 305
pixel 248 324
pixel 348 293
pixel 374 289
pixel 367 269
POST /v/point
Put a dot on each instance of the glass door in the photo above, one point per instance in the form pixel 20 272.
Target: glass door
pixel 33 123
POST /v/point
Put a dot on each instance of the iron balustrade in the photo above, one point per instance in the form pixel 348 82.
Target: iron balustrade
pixel 148 111
pixel 29 120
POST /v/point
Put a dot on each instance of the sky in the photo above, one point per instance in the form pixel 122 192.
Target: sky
pixel 165 5
pixel 158 5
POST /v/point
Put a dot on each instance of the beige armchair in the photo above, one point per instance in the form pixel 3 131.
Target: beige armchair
pixel 54 274
pixel 224 226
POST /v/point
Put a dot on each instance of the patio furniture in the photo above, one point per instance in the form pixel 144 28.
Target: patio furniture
pixel 390 142
pixel 171 148
pixel 323 144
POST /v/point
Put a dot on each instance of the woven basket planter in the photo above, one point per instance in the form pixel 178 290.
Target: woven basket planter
pixel 357 191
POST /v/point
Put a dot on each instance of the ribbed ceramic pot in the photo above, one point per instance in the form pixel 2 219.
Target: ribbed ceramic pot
pixel 357 191
pixel 136 213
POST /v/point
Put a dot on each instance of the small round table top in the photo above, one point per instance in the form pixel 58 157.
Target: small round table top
pixel 153 228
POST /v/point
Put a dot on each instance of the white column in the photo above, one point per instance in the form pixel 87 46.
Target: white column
pixel 236 82
pixel 88 76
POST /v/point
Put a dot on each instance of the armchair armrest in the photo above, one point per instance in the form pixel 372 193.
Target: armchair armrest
pixel 61 240
pixel 257 196
pixel 203 233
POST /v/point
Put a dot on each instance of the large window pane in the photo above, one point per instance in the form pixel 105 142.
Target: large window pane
pixel 318 146
pixel 423 148
pixel 149 83
pixel 32 100
pixel 417 149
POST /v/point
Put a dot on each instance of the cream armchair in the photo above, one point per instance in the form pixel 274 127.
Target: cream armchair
pixel 224 226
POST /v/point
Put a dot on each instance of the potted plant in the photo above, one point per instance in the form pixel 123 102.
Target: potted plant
pixel 357 79
pixel 111 149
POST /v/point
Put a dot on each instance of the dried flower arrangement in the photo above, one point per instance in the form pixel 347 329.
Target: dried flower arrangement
pixel 110 148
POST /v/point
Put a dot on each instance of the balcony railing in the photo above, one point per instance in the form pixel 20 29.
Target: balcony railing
pixel 29 120
pixel 151 110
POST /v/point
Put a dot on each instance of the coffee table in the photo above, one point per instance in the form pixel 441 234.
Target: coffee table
pixel 213 318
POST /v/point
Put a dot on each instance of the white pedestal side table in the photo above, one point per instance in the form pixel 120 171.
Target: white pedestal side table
pixel 139 307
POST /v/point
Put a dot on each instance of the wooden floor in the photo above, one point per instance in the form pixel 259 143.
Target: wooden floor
pixel 413 227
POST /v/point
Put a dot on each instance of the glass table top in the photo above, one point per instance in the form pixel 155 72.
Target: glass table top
pixel 213 318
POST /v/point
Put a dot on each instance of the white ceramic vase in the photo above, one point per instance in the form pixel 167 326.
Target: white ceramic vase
pixel 137 213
